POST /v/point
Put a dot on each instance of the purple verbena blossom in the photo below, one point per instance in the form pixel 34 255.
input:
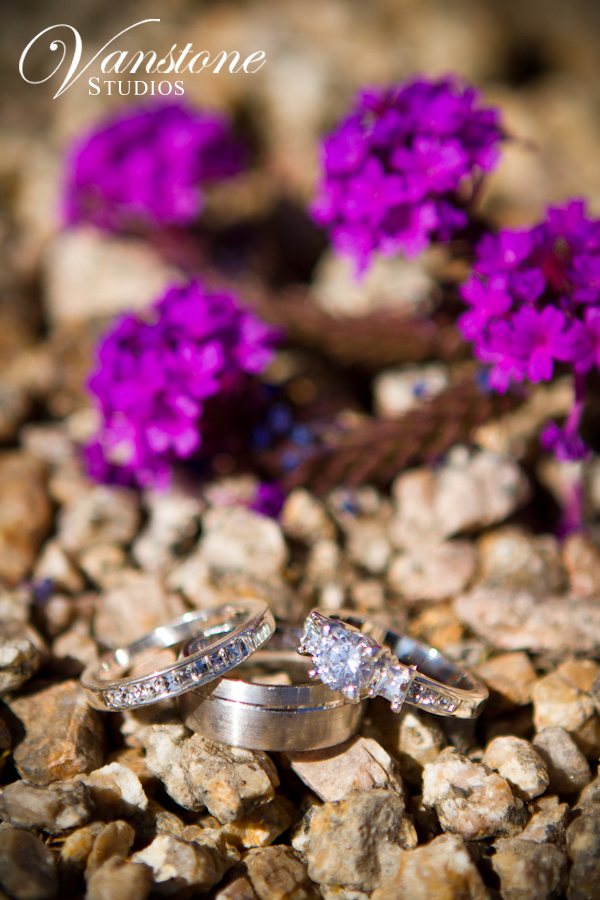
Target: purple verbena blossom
pixel 147 167
pixel 156 373
pixel 400 170
pixel 534 299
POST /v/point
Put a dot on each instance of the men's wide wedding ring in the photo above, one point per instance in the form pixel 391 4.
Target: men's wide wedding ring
pixel 362 658
pixel 225 635
pixel 270 716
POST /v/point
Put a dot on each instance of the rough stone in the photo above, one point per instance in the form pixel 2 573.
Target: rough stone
pixel 238 889
pixel 359 764
pixel 58 808
pixel 561 699
pixel 442 869
pixel 27 866
pixel 182 868
pixel 54 564
pixel 469 799
pixel 120 880
pixel 173 523
pixel 519 621
pixel 262 826
pixel 25 513
pixel 242 540
pixel 112 272
pixel 134 608
pixel 467 492
pixel 567 766
pixel 304 518
pixel 63 734
pixel 57 613
pixel 433 572
pixel 367 543
pixel 368 595
pixel 74 854
pixel 103 564
pixel 583 847
pixel 76 643
pixel 548 822
pixel 15 605
pixel 395 391
pixel 352 841
pixel 590 795
pixel 529 871
pixel 276 873
pixel 114 840
pixel 198 773
pixel 19 660
pixel 517 761
pixel 15 405
pixel 116 790
pixel 100 515
pixel 581 559
pixel 511 676
pixel 511 558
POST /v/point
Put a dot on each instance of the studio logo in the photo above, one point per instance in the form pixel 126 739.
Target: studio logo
pixel 119 62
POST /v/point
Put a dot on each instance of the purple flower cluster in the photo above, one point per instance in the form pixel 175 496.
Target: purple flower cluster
pixel 147 167
pixel 155 374
pixel 534 301
pixel 399 170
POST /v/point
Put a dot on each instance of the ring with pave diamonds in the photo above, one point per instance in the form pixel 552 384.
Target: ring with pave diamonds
pixel 262 715
pixel 227 635
pixel 362 658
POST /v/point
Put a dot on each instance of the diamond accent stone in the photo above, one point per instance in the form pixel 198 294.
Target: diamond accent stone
pixel 394 683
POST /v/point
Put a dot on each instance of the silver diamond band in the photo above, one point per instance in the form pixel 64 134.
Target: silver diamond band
pixel 276 717
pixel 227 635
pixel 362 658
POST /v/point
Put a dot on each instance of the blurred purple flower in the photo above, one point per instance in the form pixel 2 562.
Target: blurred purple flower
pixel 533 301
pixel 154 375
pixel 148 166
pixel 400 169
pixel 268 499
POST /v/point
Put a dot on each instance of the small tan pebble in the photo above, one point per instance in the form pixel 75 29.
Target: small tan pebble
pixel 323 563
pixel 25 513
pixel 277 873
pixel 57 808
pixel 469 799
pixel 76 643
pixel 581 559
pixel 198 773
pixel 529 871
pixel 567 766
pixel 15 605
pixel 103 564
pixel 590 795
pixel 239 539
pixel 556 702
pixel 174 520
pixel 337 892
pixel 368 595
pixel 433 572
pixel 48 442
pixel 27 866
pixel 351 841
pixel 583 847
pixel 15 406
pixel 548 822
pixel 133 609
pixel 514 559
pixel 116 790
pixel 54 564
pixel 305 518
pixel 154 821
pixel 442 869
pixel 367 544
pixel 182 867
pixel 262 826
pixel 438 626
pixel 115 839
pixel 518 620
pixel 395 391
pixel 413 738
pixel 511 676
pixel 19 660
pixel 100 515
pixel 239 889
pixel 64 736
pixel 358 764
pixel 517 761
pixel 74 853
pixel 120 880
pixel 58 613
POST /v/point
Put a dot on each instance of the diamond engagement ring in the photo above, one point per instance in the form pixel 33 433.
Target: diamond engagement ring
pixel 243 711
pixel 362 658
pixel 226 636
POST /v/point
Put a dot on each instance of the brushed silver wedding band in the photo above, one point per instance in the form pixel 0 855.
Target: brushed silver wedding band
pixel 275 717
pixel 225 636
